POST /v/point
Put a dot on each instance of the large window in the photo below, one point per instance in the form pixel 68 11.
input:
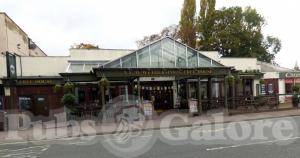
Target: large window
pixel 156 55
pixel 129 61
pixel 270 88
pixel 84 66
pixel 144 58
pixel 165 53
pixel 181 55
pixel 168 54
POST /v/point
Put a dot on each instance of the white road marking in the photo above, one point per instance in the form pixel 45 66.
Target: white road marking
pixel 31 152
pixel 250 144
pixel 77 143
pixel 32 147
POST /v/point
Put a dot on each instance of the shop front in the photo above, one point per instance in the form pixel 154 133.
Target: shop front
pixel 35 95
pixel 166 73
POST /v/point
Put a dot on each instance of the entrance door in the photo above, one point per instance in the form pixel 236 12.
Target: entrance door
pixel 160 93
pixel 41 106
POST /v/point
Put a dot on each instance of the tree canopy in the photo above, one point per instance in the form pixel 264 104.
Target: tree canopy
pixel 238 33
pixel 187 23
pixel 85 46
pixel 233 31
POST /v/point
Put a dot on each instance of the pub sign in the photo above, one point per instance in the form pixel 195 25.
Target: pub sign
pixel 11 65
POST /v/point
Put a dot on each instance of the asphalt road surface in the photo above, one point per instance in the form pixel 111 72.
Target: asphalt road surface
pixel 278 138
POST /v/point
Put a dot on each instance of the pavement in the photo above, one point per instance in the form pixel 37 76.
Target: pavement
pixel 164 121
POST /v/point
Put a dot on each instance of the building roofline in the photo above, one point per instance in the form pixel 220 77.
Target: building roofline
pixel 21 29
pixel 238 58
pixel 101 49
pixel 166 37
pixel 14 22
pixel 46 56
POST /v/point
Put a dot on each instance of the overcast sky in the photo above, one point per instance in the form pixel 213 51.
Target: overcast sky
pixel 55 25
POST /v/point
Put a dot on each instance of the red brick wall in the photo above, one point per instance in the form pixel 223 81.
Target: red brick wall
pixel 52 98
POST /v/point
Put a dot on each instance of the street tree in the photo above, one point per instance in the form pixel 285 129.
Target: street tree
pixel 187 23
pixel 238 33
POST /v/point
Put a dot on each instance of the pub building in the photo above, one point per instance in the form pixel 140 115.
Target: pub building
pixel 166 73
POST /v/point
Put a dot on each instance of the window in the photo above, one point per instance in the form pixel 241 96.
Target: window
pixel 25 103
pixel 144 58
pixel 129 61
pixel 270 88
pixel 76 68
pixel 168 53
pixel 1 103
pixel 81 96
pixel 94 96
pixel 89 67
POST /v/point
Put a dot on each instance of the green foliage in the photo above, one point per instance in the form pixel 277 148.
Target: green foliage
pixel 68 100
pixel 295 98
pixel 104 82
pixel 187 23
pixel 296 89
pixel 57 88
pixel 261 81
pixel 235 32
pixel 205 24
pixel 68 87
pixel 230 80
pixel 237 79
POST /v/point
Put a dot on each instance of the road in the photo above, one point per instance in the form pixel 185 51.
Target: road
pixel 241 140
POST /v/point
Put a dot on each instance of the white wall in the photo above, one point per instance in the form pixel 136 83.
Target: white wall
pixel 97 54
pixel 3 43
pixel 271 75
pixel 3 71
pixel 255 82
pixel 42 66
pixel 241 63
pixel 211 54
pixel 281 88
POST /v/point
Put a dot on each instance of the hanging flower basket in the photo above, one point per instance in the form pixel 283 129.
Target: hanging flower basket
pixel 104 82
pixel 68 87
pixel 57 88
pixel 261 81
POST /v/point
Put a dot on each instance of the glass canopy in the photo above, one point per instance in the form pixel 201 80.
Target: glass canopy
pixel 165 53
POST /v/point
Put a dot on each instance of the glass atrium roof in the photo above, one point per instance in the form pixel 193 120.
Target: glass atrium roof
pixel 165 53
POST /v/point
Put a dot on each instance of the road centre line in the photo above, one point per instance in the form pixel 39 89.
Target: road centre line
pixel 250 144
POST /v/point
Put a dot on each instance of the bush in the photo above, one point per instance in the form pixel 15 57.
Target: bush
pixel 68 100
pixel 295 99
pixel 296 89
